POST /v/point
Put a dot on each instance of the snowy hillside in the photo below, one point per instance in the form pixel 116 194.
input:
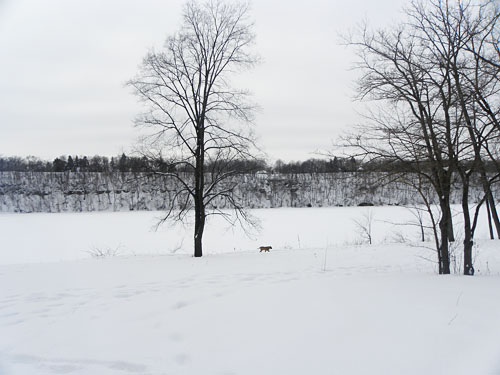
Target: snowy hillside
pixel 77 192
pixel 321 302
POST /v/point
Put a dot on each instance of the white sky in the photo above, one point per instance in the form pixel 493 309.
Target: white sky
pixel 64 64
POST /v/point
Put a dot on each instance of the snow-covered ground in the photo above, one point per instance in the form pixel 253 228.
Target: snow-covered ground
pixel 319 303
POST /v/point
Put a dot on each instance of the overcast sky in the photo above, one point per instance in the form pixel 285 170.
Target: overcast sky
pixel 64 64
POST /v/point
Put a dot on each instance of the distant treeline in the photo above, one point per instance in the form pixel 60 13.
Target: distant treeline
pixel 126 163
pixel 70 163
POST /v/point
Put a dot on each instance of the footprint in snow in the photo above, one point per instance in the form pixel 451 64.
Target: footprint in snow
pixel 123 295
pixel 63 369
pixel 182 358
pixel 128 367
pixel 67 366
pixel 15 323
pixel 175 337
pixel 180 305
pixel 8 315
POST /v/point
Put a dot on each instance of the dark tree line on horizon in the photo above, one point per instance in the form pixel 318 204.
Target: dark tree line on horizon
pixel 127 163
pixel 135 164
pixel 75 163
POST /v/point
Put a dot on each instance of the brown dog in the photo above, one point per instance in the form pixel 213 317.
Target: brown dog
pixel 265 248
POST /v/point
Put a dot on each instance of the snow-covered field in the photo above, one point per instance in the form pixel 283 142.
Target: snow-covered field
pixel 319 303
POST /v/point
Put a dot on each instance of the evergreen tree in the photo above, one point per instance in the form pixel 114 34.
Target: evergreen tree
pixel 70 165
pixel 59 165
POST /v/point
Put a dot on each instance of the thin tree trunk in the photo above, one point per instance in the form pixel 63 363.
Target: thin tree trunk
pixel 494 213
pixel 468 235
pixel 490 226
pixel 490 200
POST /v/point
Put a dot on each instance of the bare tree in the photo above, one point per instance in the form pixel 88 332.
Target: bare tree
pixel 199 124
pixel 364 226
pixel 408 128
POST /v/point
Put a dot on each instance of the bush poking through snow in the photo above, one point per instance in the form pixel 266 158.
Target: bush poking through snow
pixel 364 226
pixel 104 252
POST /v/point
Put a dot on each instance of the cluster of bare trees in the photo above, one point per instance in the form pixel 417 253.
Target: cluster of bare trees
pixel 433 84
pixel 435 78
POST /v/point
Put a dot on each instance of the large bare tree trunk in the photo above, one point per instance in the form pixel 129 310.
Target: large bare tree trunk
pixel 444 227
pixel 199 199
pixel 199 227
pixel 451 232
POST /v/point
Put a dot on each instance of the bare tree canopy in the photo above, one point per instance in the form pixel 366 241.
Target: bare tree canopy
pixel 198 123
